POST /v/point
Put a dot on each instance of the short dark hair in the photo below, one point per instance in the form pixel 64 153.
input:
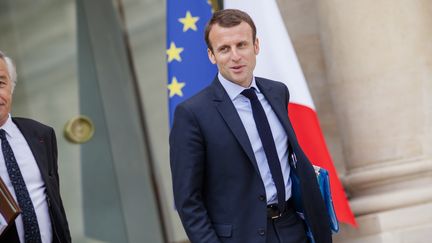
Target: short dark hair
pixel 228 18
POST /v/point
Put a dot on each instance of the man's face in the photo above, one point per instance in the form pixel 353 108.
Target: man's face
pixel 5 92
pixel 234 52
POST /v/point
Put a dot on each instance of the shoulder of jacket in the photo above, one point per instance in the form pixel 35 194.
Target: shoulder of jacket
pixel 27 122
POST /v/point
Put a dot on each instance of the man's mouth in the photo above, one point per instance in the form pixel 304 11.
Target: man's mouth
pixel 237 68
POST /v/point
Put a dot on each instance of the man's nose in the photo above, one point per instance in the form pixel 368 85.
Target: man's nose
pixel 235 55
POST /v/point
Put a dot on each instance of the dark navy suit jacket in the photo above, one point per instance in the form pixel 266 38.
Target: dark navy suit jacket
pixel 43 144
pixel 218 191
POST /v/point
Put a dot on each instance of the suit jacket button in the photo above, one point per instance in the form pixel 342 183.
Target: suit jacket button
pixel 261 197
pixel 261 231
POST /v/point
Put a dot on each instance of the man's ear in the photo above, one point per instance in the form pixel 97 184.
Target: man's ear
pixel 211 56
pixel 256 46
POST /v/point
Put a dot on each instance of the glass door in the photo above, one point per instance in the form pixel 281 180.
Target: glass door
pixel 62 54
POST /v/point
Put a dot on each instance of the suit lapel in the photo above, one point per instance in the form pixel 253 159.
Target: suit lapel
pixel 37 147
pixel 228 112
pixel 276 101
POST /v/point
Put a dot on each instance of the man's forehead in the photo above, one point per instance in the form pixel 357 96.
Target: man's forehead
pixel 3 68
pixel 242 24
pixel 3 63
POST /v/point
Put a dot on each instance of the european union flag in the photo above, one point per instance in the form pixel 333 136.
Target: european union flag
pixel 189 69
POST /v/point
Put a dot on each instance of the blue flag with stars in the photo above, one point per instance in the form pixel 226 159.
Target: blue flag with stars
pixel 189 69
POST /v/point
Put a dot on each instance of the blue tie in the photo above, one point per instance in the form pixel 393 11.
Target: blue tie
pixel 269 146
pixel 31 226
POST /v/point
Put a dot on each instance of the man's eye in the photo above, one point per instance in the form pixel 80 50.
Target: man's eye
pixel 223 49
pixel 242 44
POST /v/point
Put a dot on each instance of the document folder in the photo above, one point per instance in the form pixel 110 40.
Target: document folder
pixel 324 185
pixel 9 208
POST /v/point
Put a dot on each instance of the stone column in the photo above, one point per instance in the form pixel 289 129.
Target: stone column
pixel 378 57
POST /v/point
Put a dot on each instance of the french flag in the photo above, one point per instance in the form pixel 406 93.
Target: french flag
pixel 277 60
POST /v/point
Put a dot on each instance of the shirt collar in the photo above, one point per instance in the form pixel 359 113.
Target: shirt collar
pixel 8 126
pixel 234 89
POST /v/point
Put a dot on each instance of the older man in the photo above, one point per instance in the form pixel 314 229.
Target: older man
pixel 28 166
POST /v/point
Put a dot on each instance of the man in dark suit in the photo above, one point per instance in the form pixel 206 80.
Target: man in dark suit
pixel 28 166
pixel 234 154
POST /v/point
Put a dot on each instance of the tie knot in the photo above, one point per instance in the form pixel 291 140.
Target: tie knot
pixel 250 93
pixel 2 134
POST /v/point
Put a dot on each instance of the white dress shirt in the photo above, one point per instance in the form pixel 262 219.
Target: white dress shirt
pixel 244 109
pixel 32 178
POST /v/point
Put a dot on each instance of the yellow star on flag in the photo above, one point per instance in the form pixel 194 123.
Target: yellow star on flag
pixel 174 53
pixel 175 88
pixel 189 22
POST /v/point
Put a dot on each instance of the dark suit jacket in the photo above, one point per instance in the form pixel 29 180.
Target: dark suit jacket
pixel 43 144
pixel 218 191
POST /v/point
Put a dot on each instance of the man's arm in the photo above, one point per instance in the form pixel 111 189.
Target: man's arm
pixel 55 166
pixel 314 206
pixel 187 155
pixel 54 155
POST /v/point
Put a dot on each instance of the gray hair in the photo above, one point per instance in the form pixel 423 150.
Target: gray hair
pixel 11 68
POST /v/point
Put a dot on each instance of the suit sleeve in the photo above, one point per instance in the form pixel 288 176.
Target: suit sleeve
pixel 313 204
pixel 187 158
pixel 54 154
pixel 55 166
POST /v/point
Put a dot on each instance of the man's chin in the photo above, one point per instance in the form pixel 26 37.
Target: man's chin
pixel 3 118
pixel 242 81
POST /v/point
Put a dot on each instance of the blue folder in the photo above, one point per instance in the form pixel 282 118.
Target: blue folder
pixel 323 180
pixel 324 185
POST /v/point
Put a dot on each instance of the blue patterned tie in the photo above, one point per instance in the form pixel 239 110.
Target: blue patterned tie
pixel 269 146
pixel 31 226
